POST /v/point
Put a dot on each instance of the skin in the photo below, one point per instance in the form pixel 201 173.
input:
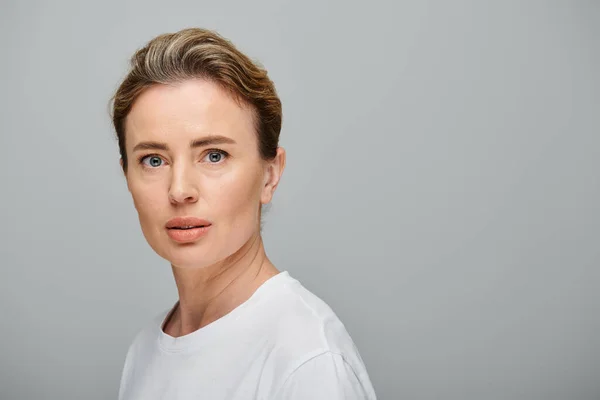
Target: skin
pixel 223 268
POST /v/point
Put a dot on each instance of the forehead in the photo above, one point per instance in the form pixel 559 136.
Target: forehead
pixel 188 110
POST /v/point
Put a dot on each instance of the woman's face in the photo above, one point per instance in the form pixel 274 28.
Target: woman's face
pixel 175 170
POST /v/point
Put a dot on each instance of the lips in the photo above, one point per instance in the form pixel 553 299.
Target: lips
pixel 186 223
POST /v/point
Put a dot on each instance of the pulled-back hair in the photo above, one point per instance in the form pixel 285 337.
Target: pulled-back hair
pixel 196 53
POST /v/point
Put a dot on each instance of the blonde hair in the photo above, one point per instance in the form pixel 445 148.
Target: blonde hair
pixel 200 53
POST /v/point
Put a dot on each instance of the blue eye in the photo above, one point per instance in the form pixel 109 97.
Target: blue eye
pixel 155 161
pixel 215 156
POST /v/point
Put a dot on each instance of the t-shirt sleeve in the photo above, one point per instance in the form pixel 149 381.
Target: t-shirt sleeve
pixel 325 376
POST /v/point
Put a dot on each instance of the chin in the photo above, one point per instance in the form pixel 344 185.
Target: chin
pixel 184 254
pixel 187 257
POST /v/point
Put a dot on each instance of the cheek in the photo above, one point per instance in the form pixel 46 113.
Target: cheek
pixel 147 202
pixel 239 194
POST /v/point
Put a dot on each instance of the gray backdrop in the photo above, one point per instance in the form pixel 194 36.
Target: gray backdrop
pixel 441 191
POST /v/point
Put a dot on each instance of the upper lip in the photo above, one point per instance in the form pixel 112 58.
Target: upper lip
pixel 179 222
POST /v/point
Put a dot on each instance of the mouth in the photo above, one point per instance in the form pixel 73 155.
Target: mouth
pixel 185 228
pixel 186 223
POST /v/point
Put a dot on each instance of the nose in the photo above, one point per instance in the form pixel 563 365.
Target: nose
pixel 184 186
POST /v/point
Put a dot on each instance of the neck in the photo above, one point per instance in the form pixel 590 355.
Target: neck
pixel 207 294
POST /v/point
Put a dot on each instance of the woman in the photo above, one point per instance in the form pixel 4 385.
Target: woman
pixel 198 126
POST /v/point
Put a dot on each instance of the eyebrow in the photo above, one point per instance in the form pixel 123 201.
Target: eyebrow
pixel 200 142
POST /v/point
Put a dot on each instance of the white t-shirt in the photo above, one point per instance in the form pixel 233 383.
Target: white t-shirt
pixel 282 343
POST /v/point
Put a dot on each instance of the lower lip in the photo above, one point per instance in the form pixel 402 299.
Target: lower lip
pixel 187 235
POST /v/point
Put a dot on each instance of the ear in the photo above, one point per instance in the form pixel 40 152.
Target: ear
pixel 274 170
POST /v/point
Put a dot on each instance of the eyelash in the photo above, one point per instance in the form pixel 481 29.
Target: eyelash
pixel 222 152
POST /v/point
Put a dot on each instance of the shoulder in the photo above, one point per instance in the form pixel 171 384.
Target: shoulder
pixel 326 375
pixel 311 344
pixel 145 336
pixel 304 322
